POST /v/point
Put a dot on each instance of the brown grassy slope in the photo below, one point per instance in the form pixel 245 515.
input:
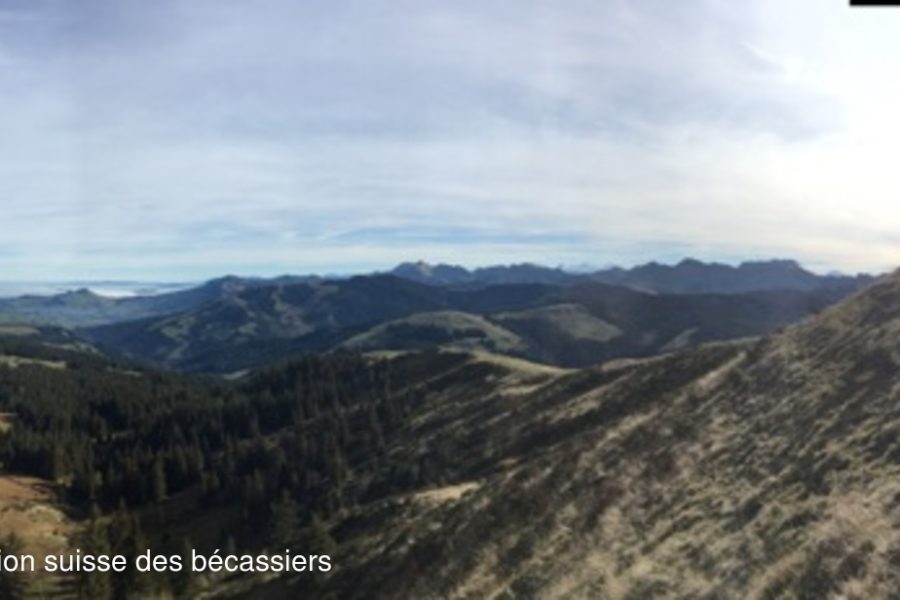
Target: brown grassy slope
pixel 29 509
pixel 762 469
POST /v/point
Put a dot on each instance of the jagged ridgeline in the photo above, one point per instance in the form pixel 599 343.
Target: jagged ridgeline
pixel 527 311
pixel 759 468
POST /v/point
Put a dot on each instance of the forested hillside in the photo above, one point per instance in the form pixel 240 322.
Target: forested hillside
pixel 571 326
pixel 284 451
pixel 758 468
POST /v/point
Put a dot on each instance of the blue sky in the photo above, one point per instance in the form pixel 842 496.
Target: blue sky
pixel 181 139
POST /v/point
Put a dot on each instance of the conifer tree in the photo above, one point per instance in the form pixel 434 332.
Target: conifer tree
pixel 12 584
pixel 159 480
pixel 136 581
pixel 184 582
pixel 285 522
pixel 320 540
pixel 95 585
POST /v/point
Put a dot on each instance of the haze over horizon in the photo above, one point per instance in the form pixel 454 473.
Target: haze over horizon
pixel 177 141
pixel 123 288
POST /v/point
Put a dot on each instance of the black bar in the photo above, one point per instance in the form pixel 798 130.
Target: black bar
pixel 874 2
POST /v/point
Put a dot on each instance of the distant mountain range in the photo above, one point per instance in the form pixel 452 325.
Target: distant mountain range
pixel 757 468
pixel 83 307
pixel 109 289
pixel 528 311
pixel 571 325
pixel 687 277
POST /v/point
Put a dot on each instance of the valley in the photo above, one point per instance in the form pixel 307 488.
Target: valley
pixel 232 324
pixel 431 456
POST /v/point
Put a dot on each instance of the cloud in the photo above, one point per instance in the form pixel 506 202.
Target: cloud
pixel 184 139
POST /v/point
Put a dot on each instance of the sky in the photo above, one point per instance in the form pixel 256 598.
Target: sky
pixel 175 140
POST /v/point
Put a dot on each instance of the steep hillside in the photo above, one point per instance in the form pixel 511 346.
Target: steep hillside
pixel 765 468
pixel 761 469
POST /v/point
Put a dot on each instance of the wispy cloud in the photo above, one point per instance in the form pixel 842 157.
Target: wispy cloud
pixel 180 139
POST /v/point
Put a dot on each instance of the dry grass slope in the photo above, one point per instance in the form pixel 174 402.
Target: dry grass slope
pixel 758 469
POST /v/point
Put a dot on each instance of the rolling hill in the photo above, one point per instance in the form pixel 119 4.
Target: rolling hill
pixel 574 325
pixel 757 469
pixel 446 329
pixel 84 308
